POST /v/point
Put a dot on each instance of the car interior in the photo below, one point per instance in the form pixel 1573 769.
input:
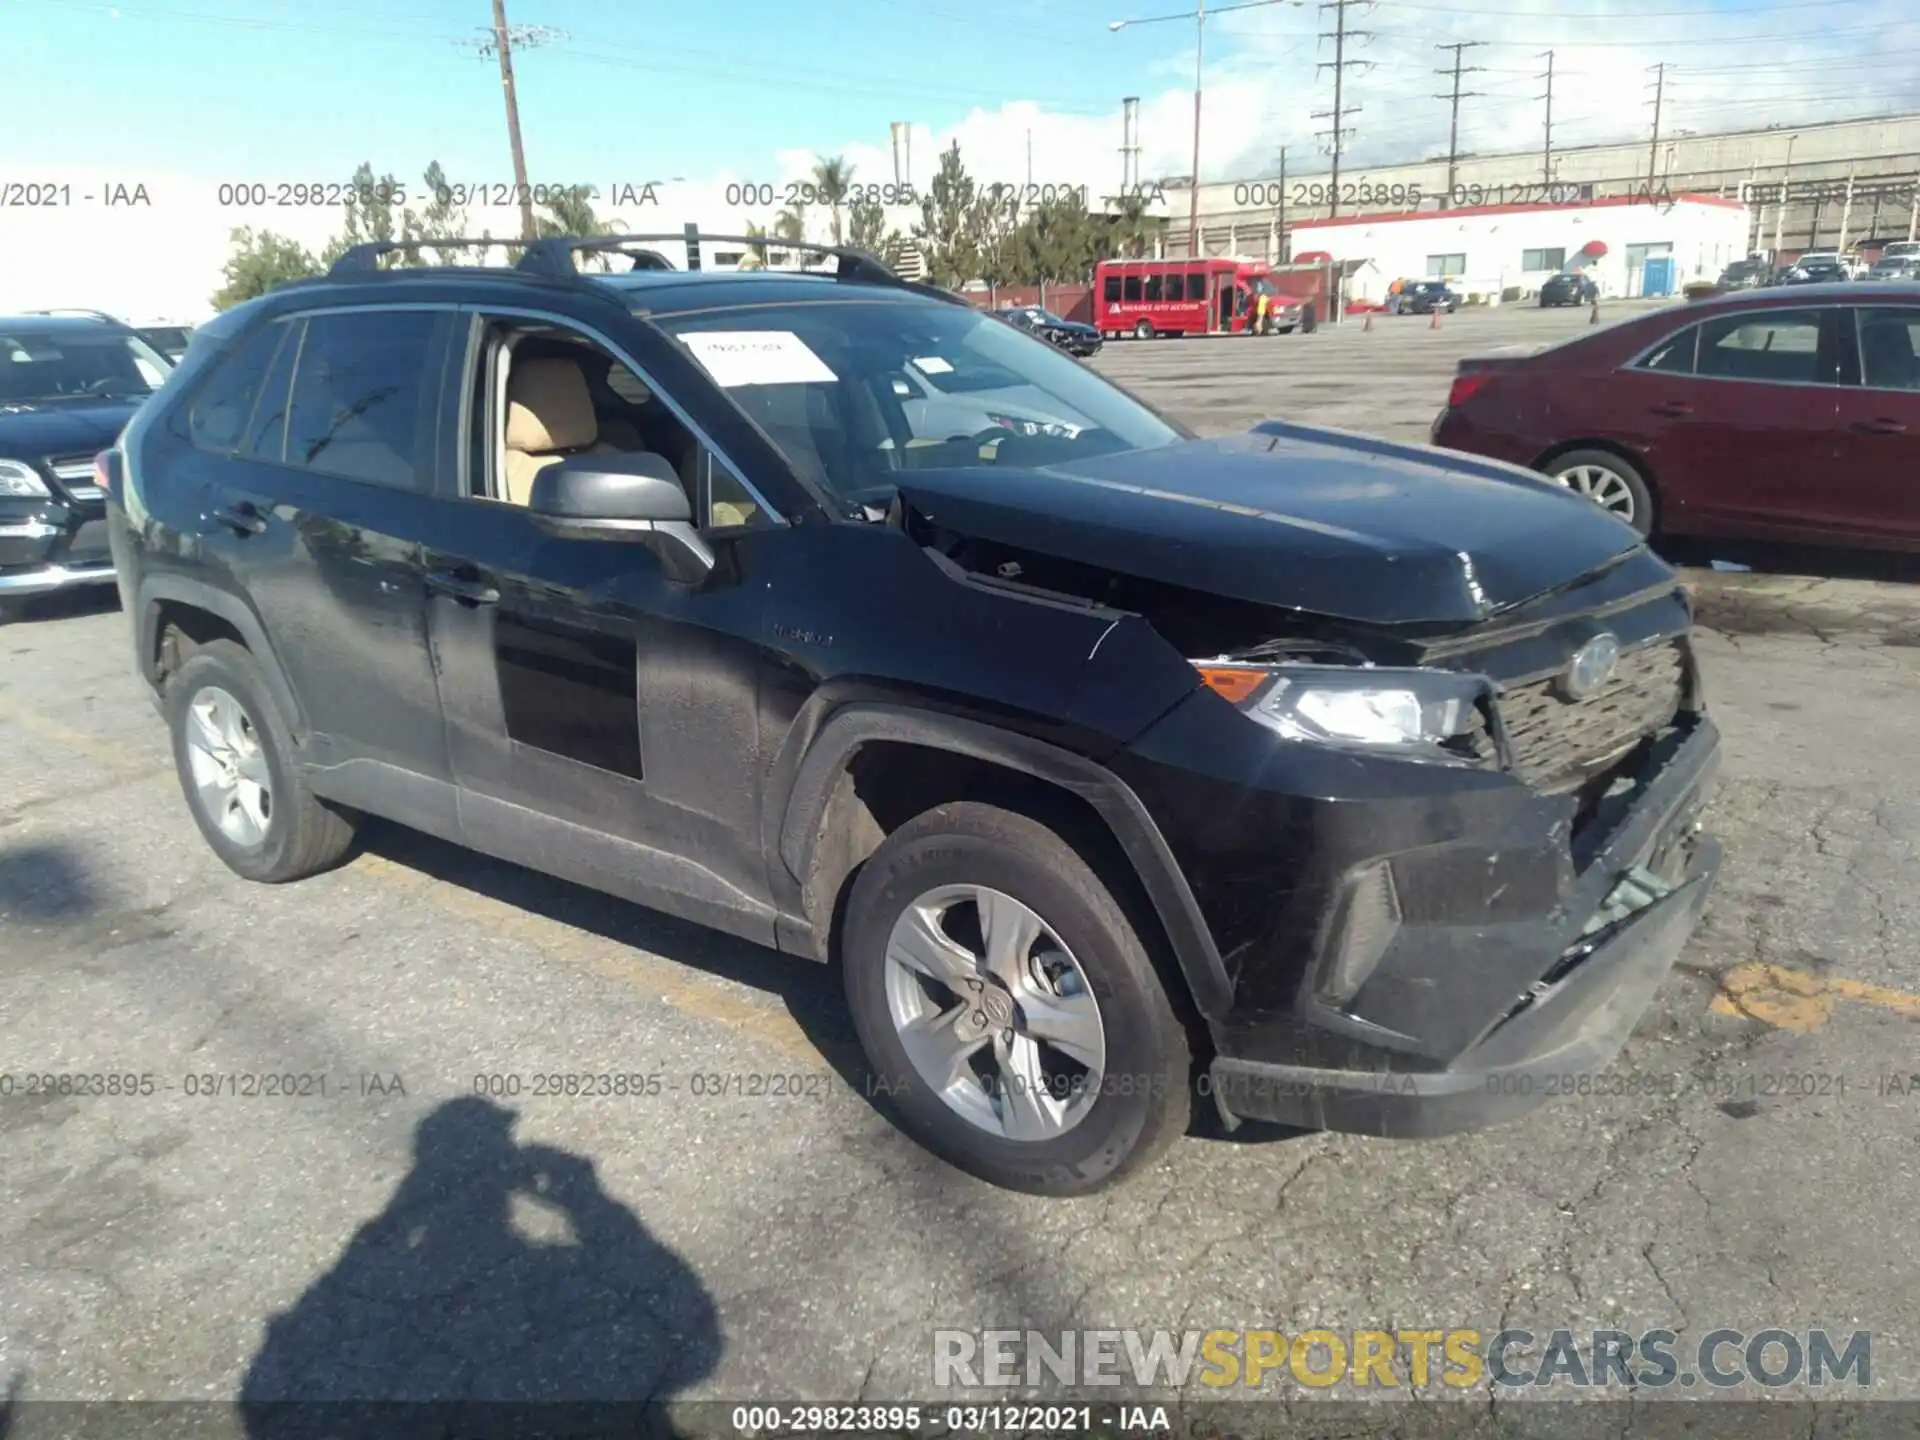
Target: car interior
pixel 1782 348
pixel 550 396
pixel 1887 361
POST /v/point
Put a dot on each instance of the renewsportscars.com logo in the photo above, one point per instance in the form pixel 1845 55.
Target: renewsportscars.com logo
pixel 1462 1359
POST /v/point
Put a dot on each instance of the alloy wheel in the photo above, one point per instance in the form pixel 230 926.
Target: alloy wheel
pixel 1606 488
pixel 995 1013
pixel 230 777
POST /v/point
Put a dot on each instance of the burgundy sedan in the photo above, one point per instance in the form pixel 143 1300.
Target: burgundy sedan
pixel 1766 414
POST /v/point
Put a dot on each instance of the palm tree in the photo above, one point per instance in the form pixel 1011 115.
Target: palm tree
pixel 791 225
pixel 832 181
pixel 756 256
pixel 1129 226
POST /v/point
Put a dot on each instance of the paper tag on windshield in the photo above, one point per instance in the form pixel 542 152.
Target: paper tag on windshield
pixel 758 357
pixel 932 365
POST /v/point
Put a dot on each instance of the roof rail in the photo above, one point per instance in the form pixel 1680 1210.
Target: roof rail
pixel 95 314
pixel 554 256
pixel 359 259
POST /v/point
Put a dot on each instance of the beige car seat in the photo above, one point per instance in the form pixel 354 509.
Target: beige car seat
pixel 549 418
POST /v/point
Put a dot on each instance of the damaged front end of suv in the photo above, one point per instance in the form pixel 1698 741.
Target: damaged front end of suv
pixel 1432 780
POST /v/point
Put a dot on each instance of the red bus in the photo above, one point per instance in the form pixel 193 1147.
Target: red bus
pixel 1144 298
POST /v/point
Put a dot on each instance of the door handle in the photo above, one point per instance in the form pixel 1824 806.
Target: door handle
pixel 1879 427
pixel 1673 409
pixel 465 589
pixel 242 517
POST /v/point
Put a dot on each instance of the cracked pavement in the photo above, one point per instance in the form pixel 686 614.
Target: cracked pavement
pixel 197 1246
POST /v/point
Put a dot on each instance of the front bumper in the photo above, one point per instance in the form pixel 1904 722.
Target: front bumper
pixel 51 546
pixel 1591 989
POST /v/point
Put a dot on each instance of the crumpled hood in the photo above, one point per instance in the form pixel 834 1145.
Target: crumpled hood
pixel 1295 516
pixel 68 427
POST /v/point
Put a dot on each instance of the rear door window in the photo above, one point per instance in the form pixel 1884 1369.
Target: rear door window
pixel 1781 346
pixel 360 389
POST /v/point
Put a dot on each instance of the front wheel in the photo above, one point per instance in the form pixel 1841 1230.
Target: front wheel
pixel 1143 330
pixel 1007 1006
pixel 1610 482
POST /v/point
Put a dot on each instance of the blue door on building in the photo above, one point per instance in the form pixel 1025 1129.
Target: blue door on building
pixel 1656 275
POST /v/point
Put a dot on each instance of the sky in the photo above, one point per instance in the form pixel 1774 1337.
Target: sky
pixel 183 96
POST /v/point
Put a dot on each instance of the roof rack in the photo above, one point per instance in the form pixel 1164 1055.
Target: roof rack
pixel 554 256
pixel 359 259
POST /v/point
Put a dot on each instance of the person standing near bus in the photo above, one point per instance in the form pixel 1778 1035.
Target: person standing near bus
pixel 1259 326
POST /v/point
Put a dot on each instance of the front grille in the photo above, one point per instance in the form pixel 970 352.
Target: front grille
pixel 75 474
pixel 1558 743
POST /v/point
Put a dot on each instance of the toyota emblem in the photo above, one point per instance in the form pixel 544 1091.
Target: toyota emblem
pixel 1592 667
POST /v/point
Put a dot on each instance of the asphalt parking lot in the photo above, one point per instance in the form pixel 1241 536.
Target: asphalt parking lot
pixel 1756 1167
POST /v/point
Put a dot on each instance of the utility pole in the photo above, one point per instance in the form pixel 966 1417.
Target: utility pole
pixel 1029 161
pixel 499 42
pixel 1913 209
pixel 1280 207
pixel 1659 97
pixel 1337 135
pixel 1199 59
pixel 1786 188
pixel 1846 211
pixel 1546 154
pixel 503 42
pixel 1459 49
pixel 1129 145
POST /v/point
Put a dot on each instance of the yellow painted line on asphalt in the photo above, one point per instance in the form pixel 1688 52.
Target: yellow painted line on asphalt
pixel 1791 999
pixel 684 988
pixel 108 752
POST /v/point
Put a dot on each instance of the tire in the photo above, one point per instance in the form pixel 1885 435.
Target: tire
pixel 1143 330
pixel 287 835
pixel 1638 499
pixel 1111 1129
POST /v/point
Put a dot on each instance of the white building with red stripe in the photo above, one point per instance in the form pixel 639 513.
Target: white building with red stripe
pixel 1505 251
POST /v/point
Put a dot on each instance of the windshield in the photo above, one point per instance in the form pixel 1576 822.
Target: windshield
pixel 854 392
pixel 77 364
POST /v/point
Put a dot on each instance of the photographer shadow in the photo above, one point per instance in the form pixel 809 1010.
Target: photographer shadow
pixel 501 1292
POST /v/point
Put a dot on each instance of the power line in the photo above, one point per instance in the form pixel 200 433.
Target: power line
pixel 1459 49
pixel 1337 135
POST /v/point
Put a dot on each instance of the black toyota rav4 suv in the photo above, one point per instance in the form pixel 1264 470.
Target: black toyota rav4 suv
pixel 1330 781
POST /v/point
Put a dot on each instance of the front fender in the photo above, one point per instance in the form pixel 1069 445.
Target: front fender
pixel 849 728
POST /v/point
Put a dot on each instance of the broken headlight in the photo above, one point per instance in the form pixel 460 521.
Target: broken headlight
pixel 1412 714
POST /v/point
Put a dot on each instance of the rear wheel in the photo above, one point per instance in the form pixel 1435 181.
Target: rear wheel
pixel 1008 1007
pixel 1143 330
pixel 234 756
pixel 1610 482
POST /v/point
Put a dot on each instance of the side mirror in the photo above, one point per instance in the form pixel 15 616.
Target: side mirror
pixel 635 498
